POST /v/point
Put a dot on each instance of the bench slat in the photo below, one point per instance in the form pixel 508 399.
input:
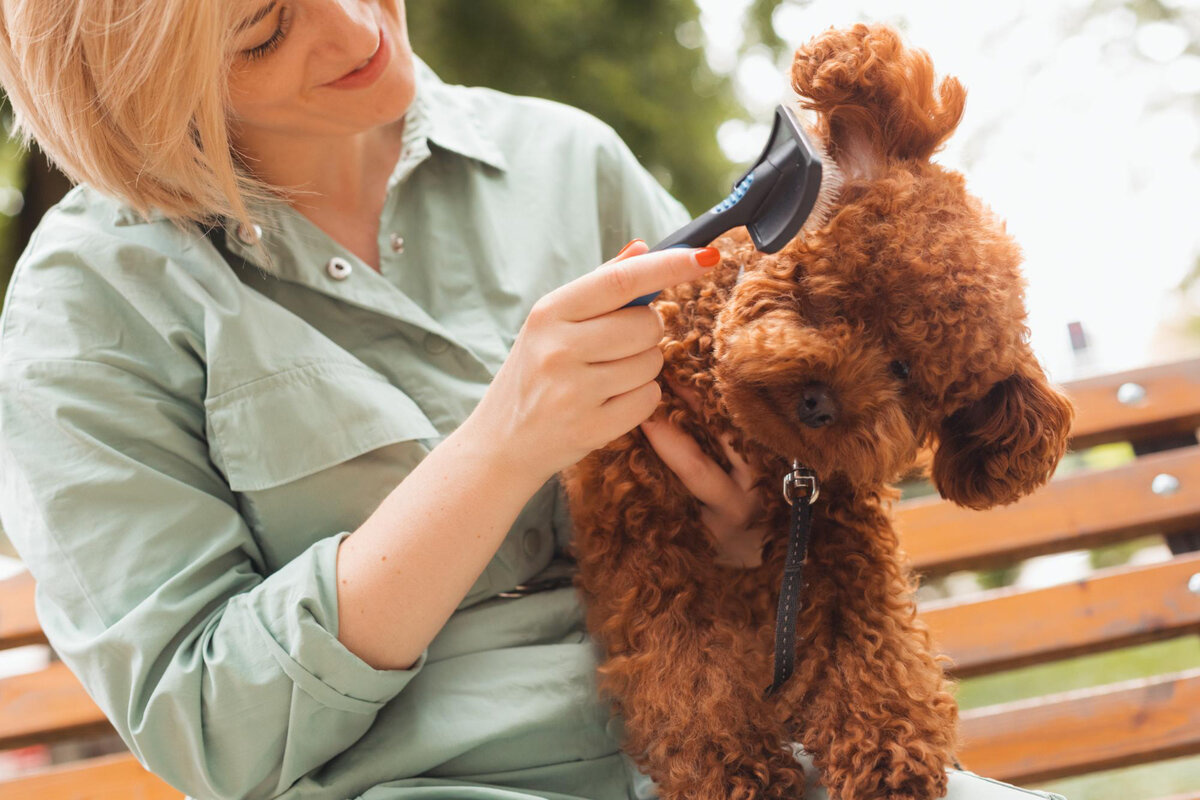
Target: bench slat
pixel 1120 607
pixel 45 706
pixel 1123 724
pixel 1086 509
pixel 18 622
pixel 115 777
pixel 1171 404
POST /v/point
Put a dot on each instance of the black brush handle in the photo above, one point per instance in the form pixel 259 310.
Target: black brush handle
pixel 736 209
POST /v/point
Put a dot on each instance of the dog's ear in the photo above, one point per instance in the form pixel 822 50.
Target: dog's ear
pixel 1004 446
pixel 874 97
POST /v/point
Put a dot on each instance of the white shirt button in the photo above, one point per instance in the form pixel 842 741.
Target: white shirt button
pixel 249 236
pixel 397 242
pixel 435 344
pixel 338 268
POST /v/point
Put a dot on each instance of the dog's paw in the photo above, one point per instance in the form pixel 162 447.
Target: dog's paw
pixel 910 780
pixel 777 776
pixel 925 783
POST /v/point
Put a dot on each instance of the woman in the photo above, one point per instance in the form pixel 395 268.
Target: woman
pixel 272 447
pixel 189 443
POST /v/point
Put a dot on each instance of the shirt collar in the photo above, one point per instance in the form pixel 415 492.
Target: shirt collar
pixel 440 113
pixel 445 115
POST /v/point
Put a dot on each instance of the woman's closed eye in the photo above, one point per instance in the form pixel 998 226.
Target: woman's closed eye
pixel 281 29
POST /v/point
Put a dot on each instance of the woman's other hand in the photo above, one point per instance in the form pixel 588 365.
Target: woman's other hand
pixel 728 502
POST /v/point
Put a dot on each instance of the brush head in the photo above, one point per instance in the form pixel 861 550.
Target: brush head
pixel 805 184
pixel 792 185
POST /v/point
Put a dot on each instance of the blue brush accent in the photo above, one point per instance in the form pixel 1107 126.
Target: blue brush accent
pixel 737 194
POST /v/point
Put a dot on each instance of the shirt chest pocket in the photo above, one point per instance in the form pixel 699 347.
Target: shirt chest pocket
pixel 313 450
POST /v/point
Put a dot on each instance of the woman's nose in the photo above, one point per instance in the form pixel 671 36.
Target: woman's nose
pixel 345 33
pixel 348 26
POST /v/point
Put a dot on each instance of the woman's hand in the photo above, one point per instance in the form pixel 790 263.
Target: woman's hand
pixel 728 502
pixel 582 370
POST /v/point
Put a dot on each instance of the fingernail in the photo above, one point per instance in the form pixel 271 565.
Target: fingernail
pixel 708 257
pixel 626 247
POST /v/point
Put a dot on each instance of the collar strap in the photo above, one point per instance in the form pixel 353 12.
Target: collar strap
pixel 804 480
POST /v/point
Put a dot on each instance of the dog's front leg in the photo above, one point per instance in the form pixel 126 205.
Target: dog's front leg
pixel 678 665
pixel 872 705
pixel 692 720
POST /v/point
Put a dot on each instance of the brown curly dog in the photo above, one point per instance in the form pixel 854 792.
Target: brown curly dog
pixel 896 325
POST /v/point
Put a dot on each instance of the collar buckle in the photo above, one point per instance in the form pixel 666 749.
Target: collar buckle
pixel 801 477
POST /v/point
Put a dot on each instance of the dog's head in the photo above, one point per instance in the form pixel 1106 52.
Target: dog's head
pixel 900 322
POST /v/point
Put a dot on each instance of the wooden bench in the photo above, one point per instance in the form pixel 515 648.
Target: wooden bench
pixel 1157 409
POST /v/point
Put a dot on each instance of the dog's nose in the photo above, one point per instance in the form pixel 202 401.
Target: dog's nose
pixel 817 406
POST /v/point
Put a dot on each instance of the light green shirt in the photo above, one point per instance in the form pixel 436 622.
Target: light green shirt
pixel 184 444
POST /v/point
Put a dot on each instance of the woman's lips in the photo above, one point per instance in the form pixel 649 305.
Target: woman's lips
pixel 372 69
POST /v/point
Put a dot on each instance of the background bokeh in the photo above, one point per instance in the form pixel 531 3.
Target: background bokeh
pixel 1082 130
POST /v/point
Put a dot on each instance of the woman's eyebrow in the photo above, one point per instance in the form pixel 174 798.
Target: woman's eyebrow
pixel 258 15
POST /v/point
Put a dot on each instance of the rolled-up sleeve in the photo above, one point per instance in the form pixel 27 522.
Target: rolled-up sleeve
pixel 225 681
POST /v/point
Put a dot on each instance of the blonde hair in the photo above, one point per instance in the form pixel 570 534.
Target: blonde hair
pixel 132 97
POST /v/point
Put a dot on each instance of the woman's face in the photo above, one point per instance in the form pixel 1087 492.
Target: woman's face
pixel 317 68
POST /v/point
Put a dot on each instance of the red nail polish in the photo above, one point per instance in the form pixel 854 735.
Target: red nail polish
pixel 708 257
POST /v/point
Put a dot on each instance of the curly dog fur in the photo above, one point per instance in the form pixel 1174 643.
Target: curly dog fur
pixel 905 309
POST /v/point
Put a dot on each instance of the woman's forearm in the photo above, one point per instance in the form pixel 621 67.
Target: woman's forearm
pixel 403 572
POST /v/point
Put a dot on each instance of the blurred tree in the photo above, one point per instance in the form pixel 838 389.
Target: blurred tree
pixel 637 65
pixel 35 185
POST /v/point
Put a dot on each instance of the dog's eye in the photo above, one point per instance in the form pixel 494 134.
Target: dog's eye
pixel 899 369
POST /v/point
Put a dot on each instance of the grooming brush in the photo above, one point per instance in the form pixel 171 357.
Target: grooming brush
pixel 788 187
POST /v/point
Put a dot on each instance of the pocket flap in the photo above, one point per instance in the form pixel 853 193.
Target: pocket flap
pixel 284 426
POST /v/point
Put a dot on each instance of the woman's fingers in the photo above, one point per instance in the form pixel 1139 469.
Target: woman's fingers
pixel 728 505
pixel 740 473
pixel 615 335
pixel 702 476
pixel 618 282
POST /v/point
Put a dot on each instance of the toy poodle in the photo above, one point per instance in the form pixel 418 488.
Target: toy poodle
pixel 894 326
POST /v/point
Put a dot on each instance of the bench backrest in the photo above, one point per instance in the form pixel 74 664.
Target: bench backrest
pixel 1156 410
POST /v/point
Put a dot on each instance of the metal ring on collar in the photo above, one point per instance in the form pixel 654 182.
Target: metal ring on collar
pixel 801 475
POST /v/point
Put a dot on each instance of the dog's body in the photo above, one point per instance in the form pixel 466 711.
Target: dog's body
pixel 896 325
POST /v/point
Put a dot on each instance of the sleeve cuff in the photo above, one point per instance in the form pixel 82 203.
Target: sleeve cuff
pixel 295 609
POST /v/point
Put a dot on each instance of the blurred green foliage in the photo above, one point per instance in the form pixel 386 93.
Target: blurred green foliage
pixel 12 162
pixel 636 65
